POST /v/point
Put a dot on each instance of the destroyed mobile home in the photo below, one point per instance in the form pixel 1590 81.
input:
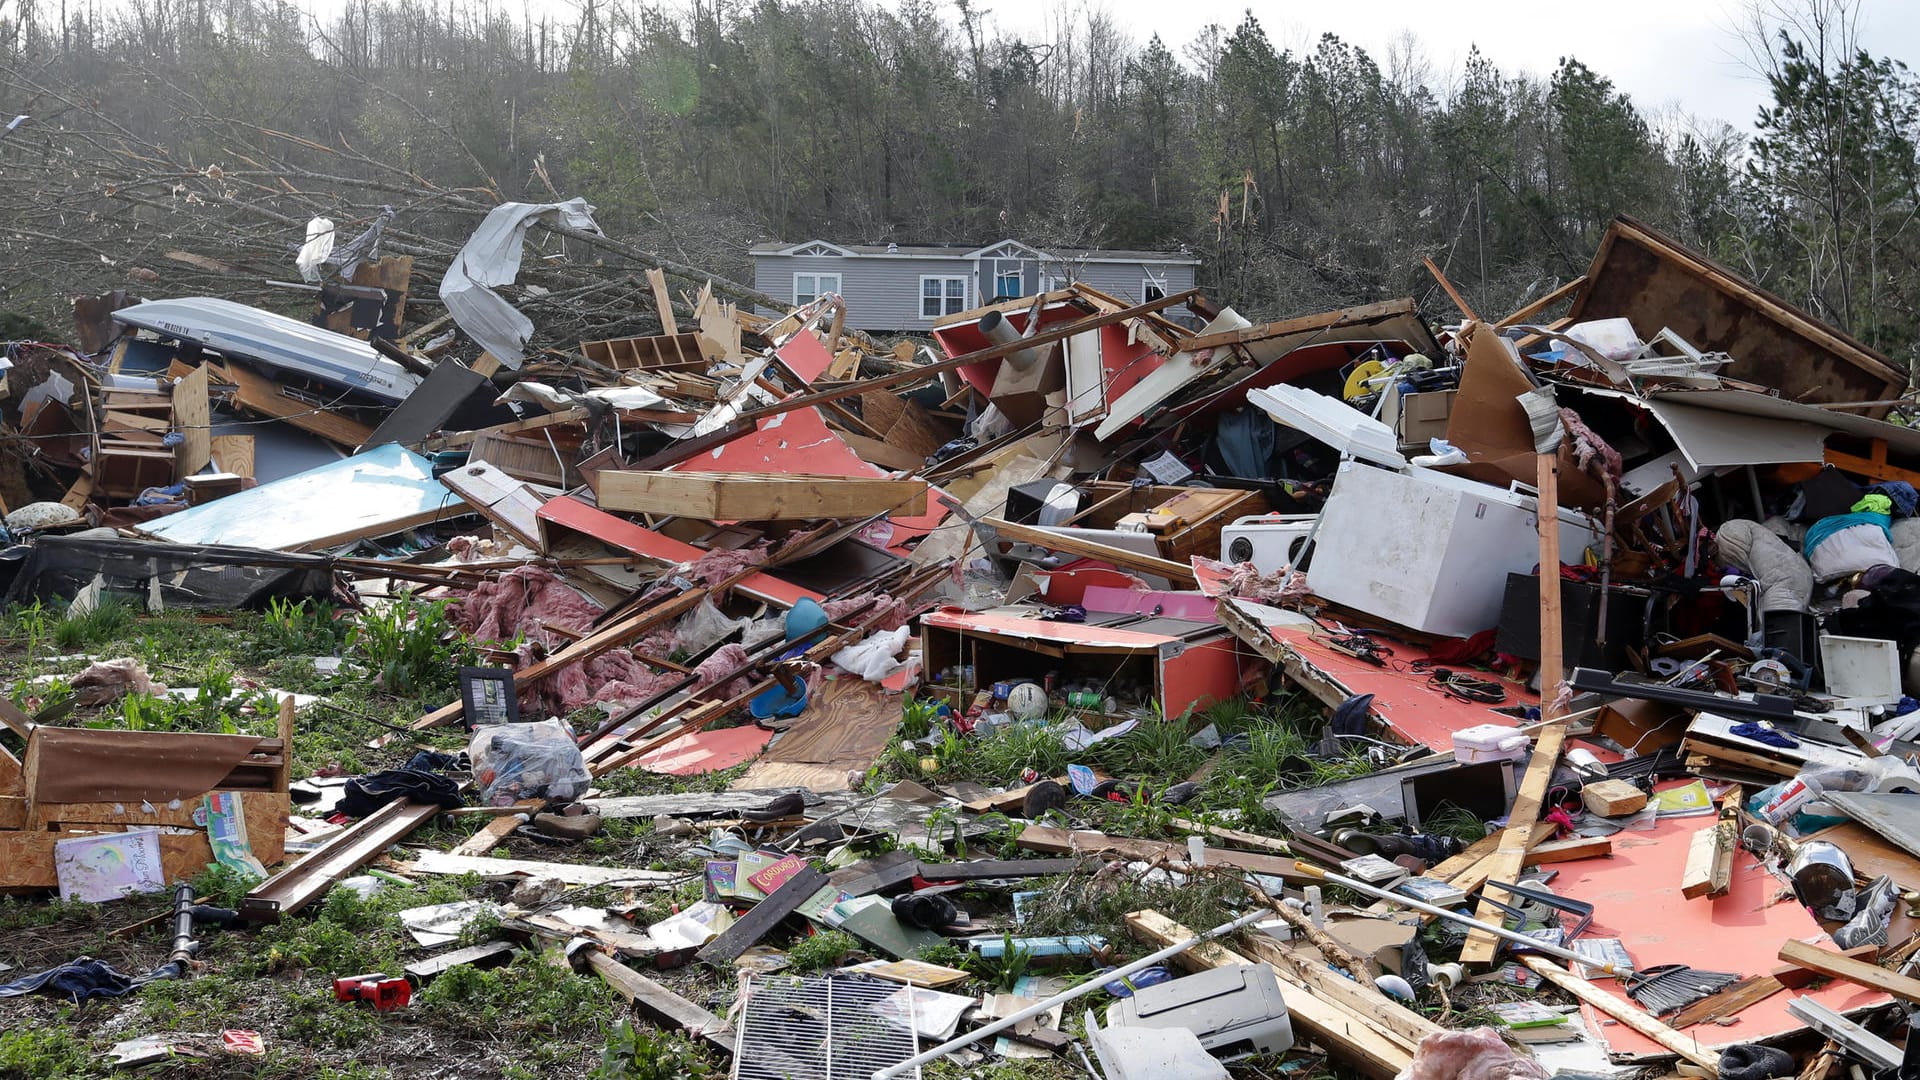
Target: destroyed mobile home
pixel 1621 586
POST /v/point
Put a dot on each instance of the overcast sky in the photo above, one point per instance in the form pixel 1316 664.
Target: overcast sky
pixel 1683 53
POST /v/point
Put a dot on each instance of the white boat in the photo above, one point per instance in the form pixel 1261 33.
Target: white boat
pixel 275 343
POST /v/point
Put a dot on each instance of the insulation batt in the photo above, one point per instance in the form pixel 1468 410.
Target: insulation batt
pixel 1478 1054
pixel 111 680
pixel 525 601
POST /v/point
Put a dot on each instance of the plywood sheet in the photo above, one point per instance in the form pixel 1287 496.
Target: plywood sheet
pixel 1636 897
pixel 846 726
pixel 706 751
pixel 1403 700
pixel 193 416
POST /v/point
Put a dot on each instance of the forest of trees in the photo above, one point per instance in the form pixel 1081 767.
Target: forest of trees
pixel 1305 179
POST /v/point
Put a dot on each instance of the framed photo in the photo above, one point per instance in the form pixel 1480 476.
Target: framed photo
pixel 488 695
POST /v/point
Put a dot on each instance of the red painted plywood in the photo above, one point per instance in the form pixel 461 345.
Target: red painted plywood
pixel 571 513
pixel 707 751
pixel 1402 697
pixel 1636 897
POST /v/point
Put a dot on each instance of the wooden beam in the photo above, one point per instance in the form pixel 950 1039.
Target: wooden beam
pixel 262 396
pixel 1859 972
pixel 1709 868
pixel 757 496
pixel 1545 302
pixel 1053 841
pixel 1396 1021
pixel 1452 293
pixel 1508 860
pixel 1626 1012
pixel 663 301
pixel 1875 467
pixel 1072 545
pixel 660 1004
pixel 1046 335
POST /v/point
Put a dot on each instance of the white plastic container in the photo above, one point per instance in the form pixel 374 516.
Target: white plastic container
pixel 1488 742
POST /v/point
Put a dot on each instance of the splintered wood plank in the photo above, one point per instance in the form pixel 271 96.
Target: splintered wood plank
pixel 259 395
pixel 1510 858
pixel 758 923
pixel 662 1005
pixel 1858 972
pixel 193 417
pixel 663 301
pixel 1709 869
pixel 758 497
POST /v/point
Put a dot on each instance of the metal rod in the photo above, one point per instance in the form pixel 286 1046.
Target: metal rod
pixel 1514 936
pixel 1065 996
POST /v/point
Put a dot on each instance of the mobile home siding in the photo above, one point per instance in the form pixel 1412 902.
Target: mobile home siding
pixel 883 291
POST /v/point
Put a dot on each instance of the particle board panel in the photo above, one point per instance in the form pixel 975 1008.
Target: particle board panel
pixel 758 496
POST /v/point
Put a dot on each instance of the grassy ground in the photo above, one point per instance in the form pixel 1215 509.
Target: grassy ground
pixel 533 1018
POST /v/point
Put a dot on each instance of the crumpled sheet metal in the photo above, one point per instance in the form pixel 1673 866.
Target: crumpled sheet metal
pixel 490 259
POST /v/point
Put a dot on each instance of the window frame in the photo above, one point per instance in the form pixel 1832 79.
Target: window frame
pixel 818 292
pixel 1019 282
pixel 943 299
pixel 1159 289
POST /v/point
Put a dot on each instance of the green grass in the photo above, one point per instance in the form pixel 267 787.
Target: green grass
pixel 44 1053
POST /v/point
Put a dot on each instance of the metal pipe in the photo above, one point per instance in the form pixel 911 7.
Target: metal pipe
pixel 1065 996
pixel 998 331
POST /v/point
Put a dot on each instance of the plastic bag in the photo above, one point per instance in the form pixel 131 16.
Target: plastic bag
pixel 526 761
pixel 873 659
pixel 706 626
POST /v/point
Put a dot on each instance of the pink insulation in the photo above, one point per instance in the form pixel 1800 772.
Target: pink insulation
pixel 727 663
pixel 525 601
pixel 889 613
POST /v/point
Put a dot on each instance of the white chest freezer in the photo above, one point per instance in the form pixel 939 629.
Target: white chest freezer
pixel 1426 550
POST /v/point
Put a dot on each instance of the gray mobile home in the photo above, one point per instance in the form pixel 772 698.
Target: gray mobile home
pixel 902 287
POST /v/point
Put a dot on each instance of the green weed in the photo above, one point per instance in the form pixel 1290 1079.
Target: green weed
pixel 529 997
pixel 43 1053
pixel 109 620
pixel 298 628
pixel 820 951
pixel 412 647
pixel 633 1054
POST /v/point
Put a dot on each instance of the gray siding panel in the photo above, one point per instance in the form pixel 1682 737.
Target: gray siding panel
pixel 884 293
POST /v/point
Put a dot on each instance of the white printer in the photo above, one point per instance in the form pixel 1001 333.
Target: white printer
pixel 1230 1008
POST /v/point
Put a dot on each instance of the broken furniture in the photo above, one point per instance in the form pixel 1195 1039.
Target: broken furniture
pixel 83 782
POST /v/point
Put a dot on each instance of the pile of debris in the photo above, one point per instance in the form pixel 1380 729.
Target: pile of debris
pixel 1632 590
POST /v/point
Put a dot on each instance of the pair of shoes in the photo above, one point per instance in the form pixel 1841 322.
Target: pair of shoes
pixel 928 912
